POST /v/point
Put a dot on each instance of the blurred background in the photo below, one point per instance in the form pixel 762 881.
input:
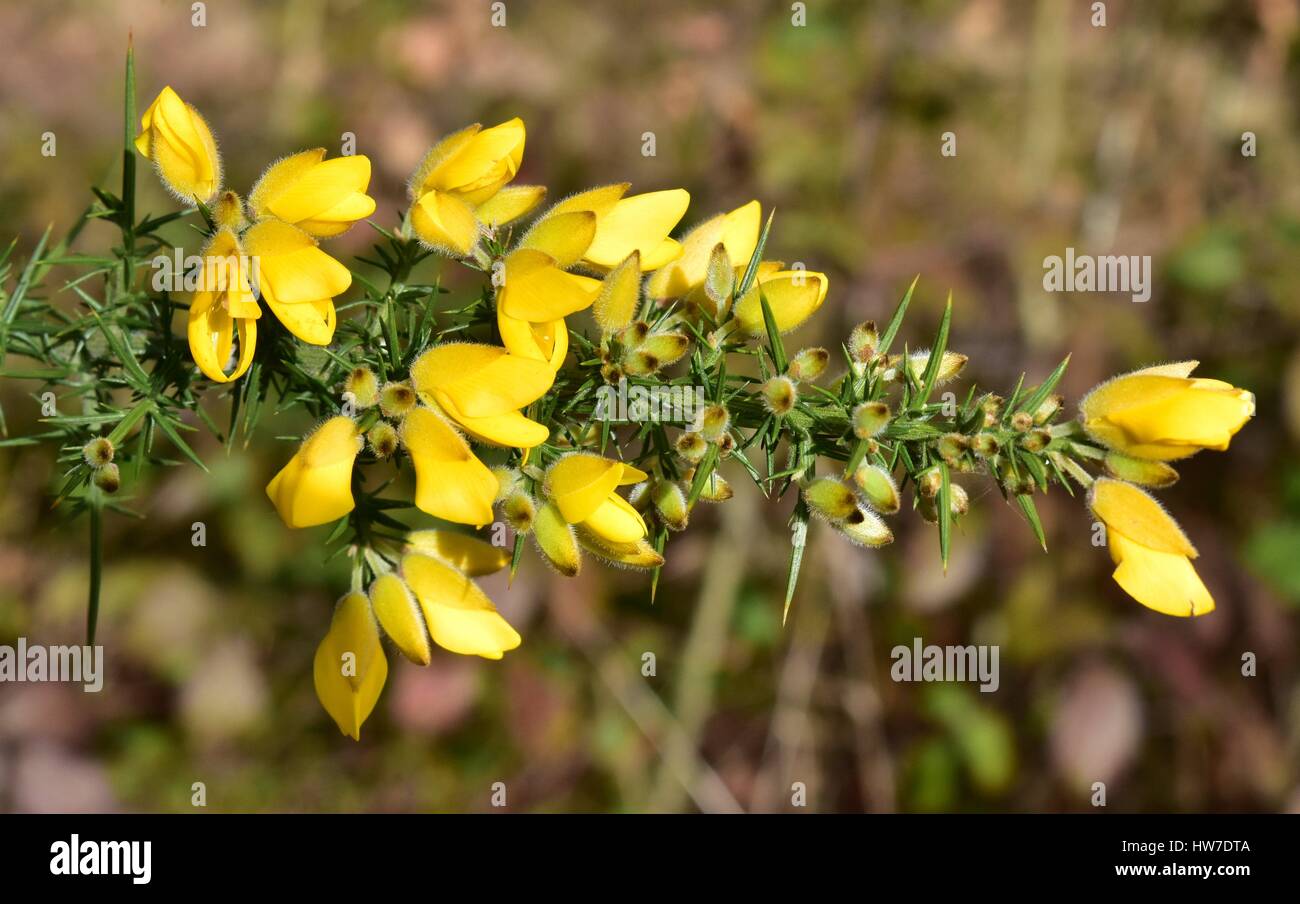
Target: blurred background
pixel 1122 139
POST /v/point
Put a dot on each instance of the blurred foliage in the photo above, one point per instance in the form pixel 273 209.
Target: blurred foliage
pixel 1125 138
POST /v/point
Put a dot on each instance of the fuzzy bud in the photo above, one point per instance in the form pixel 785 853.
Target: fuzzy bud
pixel 929 483
pixel 869 419
pixel 809 364
pixel 713 422
pixel 98 452
pixel 396 399
pixel 508 480
pixel 779 395
pixel 716 488
pixel 691 446
pixel 991 405
pixel 951 446
pixel 950 366
pixel 383 439
pixel 830 498
pixel 666 348
pixel 985 445
pixel 1022 421
pixel 1047 410
pixel 719 281
pixel 364 386
pixel 959 501
pixel 865 529
pixel 1036 440
pixel 863 341
pixel 555 540
pixel 878 488
pixel 520 512
pixel 670 503
pixel 108 478
pixel 634 334
pixel 726 445
pixel 1142 471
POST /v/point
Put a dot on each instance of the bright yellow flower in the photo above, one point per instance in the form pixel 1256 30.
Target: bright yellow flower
pixel 350 668
pixel 583 487
pixel 297 280
pixel 537 289
pixel 481 388
pixel 462 183
pixel 321 197
pixel 737 231
pixel 223 305
pixel 315 487
pixel 1151 553
pixel 450 482
pixel 793 296
pixel 547 341
pixel 638 224
pixel 1164 413
pixel 459 615
pixel 174 136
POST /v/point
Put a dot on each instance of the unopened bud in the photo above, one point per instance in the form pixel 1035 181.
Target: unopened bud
pixel 929 483
pixel 951 446
pixel 508 480
pixel 865 529
pixel 98 452
pixel 555 540
pixel 950 366
pixel 779 395
pixel 691 446
pixel 716 488
pixel 107 478
pixel 364 386
pixel 719 280
pixel 1036 440
pixel 878 488
pixel 712 422
pixel 641 364
pixel 726 445
pixel 991 405
pixel 958 500
pixel 634 334
pixel 520 511
pixel 383 439
pixel 986 445
pixel 830 498
pixel 1047 410
pixel 809 364
pixel 863 341
pixel 1022 421
pixel 670 503
pixel 869 419
pixel 611 373
pixel 1145 472
pixel 396 399
pixel 666 348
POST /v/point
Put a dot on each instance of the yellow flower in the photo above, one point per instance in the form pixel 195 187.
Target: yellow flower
pixel 536 288
pixel 321 197
pixel 459 615
pixel 315 487
pixel 297 280
pixel 350 668
pixel 737 231
pixel 450 482
pixel 174 136
pixel 793 296
pixel 639 224
pixel 1151 553
pixel 462 183
pixel 481 388
pixel 547 341
pixel 223 305
pixel 1164 413
pixel 583 488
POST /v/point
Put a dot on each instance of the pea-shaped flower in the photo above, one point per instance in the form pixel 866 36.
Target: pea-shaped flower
pixel 350 669
pixel 177 139
pixel 584 487
pixel 315 487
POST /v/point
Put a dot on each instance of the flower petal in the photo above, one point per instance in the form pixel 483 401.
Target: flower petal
pixel 315 487
pixel 466 554
pixel 349 669
pixel 481 380
pixel 536 290
pixel 450 482
pixel 640 223
pixel 616 521
pixel 445 222
pixel 1133 512
pixel 1163 581
pixel 400 617
pixel 460 616
pixel 580 483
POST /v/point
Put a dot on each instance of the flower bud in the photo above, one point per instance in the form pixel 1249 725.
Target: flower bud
pixel 108 479
pixel 399 615
pixel 991 405
pixel 726 445
pixel 396 399
pixel 1047 410
pixel 634 334
pixel 869 419
pixel 555 540
pixel 508 480
pixel 691 446
pixel 719 281
pixel 712 422
pixel 640 555
pixel 611 373
pixel 863 341
pixel 383 439
pixel 520 512
pixel 670 503
pixel 865 529
pixel 830 498
pixel 959 501
pixel 950 366
pixel 1143 471
pixel 808 364
pixel 641 364
pixel 985 445
pixel 1036 440
pixel 98 452
pixel 363 385
pixel 779 395
pixel 716 488
pixel 951 446
pixel 1022 421
pixel 878 488
pixel 929 483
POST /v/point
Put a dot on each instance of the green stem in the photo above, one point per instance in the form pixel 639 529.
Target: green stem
pixel 96 565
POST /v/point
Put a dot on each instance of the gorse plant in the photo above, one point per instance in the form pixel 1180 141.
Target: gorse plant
pixel 497 405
